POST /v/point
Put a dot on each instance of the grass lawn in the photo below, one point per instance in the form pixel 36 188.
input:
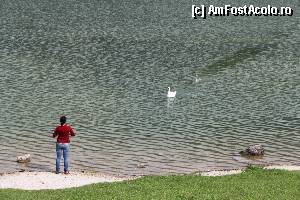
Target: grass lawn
pixel 254 183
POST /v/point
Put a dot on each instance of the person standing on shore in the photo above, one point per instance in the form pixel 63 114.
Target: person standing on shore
pixel 63 133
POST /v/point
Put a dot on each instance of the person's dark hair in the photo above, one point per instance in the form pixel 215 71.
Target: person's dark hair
pixel 63 120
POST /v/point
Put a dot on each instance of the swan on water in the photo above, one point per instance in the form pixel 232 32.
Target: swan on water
pixel 171 93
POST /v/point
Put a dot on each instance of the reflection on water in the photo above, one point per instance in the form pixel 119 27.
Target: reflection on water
pixel 171 102
pixel 237 83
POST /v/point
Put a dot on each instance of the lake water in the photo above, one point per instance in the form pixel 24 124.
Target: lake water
pixel 107 65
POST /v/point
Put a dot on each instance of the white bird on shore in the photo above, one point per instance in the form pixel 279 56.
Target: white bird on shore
pixel 171 93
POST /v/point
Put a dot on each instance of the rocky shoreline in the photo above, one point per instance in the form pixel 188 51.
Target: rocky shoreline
pixel 50 180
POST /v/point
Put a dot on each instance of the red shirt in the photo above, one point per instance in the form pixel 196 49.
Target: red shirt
pixel 63 132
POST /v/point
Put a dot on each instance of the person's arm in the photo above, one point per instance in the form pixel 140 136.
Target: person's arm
pixel 55 133
pixel 72 133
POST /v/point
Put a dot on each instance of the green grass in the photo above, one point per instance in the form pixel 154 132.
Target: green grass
pixel 255 183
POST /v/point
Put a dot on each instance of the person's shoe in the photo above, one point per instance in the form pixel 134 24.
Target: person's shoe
pixel 57 172
pixel 67 172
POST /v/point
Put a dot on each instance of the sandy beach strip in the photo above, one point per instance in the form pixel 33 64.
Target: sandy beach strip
pixel 237 171
pixel 50 180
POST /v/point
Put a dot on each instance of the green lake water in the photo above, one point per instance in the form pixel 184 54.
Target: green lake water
pixel 107 65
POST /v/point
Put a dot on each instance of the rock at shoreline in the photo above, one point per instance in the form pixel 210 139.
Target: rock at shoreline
pixel 141 165
pixel 23 159
pixel 255 150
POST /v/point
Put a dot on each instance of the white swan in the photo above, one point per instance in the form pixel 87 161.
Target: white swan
pixel 171 93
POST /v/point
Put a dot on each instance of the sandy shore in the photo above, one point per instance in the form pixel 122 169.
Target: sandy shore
pixel 237 171
pixel 50 180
